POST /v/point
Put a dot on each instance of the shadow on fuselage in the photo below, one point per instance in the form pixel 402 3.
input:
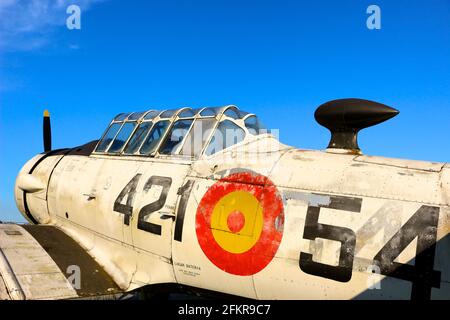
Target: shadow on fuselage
pixel 421 286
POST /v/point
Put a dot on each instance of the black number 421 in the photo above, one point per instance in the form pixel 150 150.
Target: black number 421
pixel 165 182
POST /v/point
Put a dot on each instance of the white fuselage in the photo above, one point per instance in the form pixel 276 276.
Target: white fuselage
pixel 348 221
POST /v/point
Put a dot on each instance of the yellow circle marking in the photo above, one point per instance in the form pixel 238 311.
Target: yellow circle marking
pixel 246 238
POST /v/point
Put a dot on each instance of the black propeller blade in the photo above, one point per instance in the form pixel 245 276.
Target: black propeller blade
pixel 47 131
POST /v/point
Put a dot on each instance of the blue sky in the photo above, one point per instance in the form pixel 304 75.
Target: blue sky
pixel 279 59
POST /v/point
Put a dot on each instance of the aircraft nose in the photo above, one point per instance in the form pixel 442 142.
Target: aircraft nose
pixel 29 183
pixel 31 187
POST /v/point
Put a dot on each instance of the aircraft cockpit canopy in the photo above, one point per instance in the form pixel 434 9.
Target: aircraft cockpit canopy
pixel 184 132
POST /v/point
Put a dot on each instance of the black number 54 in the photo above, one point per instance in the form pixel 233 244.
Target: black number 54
pixel 347 238
pixel 421 225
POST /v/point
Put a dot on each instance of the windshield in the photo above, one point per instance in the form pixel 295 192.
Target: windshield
pixel 152 140
pixel 175 137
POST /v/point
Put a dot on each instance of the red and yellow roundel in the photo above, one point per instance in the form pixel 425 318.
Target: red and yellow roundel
pixel 239 223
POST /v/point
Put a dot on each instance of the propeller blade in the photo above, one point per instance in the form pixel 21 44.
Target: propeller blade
pixel 47 132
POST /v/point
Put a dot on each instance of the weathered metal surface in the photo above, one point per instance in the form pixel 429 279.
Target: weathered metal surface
pixel 4 295
pixel 336 173
pixel 345 226
pixel 28 271
pixel 402 163
pixel 66 253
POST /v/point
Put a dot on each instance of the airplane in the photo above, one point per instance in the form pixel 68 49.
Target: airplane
pixel 209 201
